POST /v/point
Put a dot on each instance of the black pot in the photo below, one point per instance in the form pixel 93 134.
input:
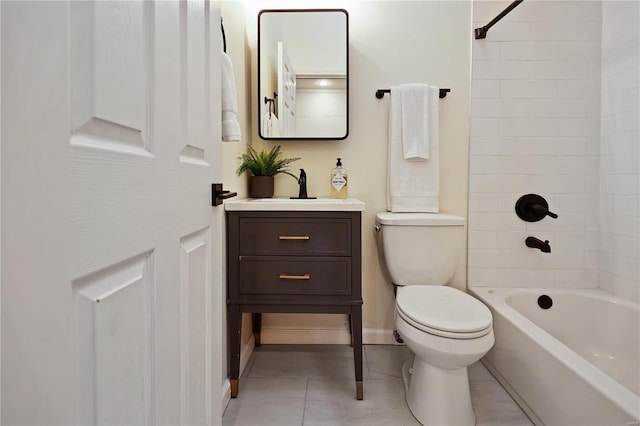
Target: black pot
pixel 261 186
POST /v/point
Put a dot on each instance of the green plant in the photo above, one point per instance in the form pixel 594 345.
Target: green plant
pixel 265 163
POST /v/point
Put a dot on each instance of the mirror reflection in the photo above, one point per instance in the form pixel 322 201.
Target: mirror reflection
pixel 303 74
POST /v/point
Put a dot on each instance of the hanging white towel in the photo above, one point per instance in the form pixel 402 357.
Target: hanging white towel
pixel 270 125
pixel 417 113
pixel 275 126
pixel 230 125
pixel 412 184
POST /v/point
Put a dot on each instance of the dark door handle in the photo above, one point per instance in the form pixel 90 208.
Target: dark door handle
pixel 218 194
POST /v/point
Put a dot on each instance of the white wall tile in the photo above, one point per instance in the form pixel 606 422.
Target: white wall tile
pixel 530 51
pixel 483 89
pixel 513 165
pixel 574 203
pixel 529 89
pixel 576 278
pixel 579 89
pixel 583 50
pixel 563 108
pixel 524 277
pixel 564 31
pixel 485 126
pixel 579 11
pixel 558 146
pixel 498 221
pixel 497 183
pixel 560 70
pixel 483 203
pixel 481 276
pixel 498 145
pixel 488 51
pixel 500 107
pixel 577 165
pixel 482 239
pixel 576 240
pixel 620 286
pixel 501 70
pixel 511 240
pixel 557 259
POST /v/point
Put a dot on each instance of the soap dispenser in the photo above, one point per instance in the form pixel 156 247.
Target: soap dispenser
pixel 339 181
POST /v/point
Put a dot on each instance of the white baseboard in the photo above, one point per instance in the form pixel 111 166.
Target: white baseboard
pixel 327 336
pixel 245 352
pixel 378 336
pixel 226 394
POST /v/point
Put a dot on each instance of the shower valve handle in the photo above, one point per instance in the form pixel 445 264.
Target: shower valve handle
pixel 532 208
pixel 543 210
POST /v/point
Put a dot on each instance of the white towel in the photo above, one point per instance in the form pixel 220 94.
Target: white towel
pixel 270 126
pixel 417 113
pixel 412 185
pixel 230 125
pixel 275 126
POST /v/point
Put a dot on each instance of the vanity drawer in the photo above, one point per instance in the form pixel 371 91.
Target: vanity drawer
pixel 294 275
pixel 302 236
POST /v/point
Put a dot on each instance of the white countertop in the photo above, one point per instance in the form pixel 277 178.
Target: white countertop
pixel 288 204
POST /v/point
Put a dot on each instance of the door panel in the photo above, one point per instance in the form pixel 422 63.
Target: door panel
pixel 113 344
pixel 195 290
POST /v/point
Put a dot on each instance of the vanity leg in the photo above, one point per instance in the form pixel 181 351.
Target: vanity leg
pixel 235 325
pixel 234 387
pixel 356 324
pixel 256 320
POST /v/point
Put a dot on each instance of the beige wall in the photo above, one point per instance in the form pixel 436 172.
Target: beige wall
pixel 391 42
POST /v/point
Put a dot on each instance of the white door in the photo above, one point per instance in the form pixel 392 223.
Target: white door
pixel 111 251
pixel 286 93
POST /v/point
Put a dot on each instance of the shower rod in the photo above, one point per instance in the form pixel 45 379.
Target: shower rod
pixel 482 31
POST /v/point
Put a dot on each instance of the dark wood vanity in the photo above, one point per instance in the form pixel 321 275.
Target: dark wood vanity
pixel 300 261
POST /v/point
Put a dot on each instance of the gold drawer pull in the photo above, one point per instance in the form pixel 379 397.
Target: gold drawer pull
pixel 294 237
pixel 295 277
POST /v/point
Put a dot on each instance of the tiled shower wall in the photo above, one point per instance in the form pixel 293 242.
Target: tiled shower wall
pixel 619 154
pixel 556 111
pixel 535 128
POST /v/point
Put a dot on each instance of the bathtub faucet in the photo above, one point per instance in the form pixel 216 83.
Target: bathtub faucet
pixel 543 246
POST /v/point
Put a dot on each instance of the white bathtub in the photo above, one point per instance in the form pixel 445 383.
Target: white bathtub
pixel 576 363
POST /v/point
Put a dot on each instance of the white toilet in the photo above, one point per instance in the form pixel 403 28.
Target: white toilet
pixel 444 327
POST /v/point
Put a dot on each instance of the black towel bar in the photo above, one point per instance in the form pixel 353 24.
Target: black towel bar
pixel 380 93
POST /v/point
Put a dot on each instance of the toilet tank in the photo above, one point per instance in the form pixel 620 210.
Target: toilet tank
pixel 420 248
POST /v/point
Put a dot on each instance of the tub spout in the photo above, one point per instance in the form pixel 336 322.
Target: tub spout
pixel 543 246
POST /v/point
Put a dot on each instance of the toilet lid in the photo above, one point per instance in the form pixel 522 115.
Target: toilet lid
pixel 443 308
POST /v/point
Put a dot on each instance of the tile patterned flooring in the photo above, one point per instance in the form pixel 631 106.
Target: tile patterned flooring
pixel 315 385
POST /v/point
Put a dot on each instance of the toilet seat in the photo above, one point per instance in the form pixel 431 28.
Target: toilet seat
pixel 443 311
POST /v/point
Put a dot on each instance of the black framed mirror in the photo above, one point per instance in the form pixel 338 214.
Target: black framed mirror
pixel 303 74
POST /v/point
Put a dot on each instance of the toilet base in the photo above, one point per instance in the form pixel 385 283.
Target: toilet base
pixel 437 396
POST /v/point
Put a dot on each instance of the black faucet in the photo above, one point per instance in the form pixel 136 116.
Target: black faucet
pixel 543 246
pixel 302 181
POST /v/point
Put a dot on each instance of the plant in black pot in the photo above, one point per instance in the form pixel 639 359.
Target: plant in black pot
pixel 264 165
